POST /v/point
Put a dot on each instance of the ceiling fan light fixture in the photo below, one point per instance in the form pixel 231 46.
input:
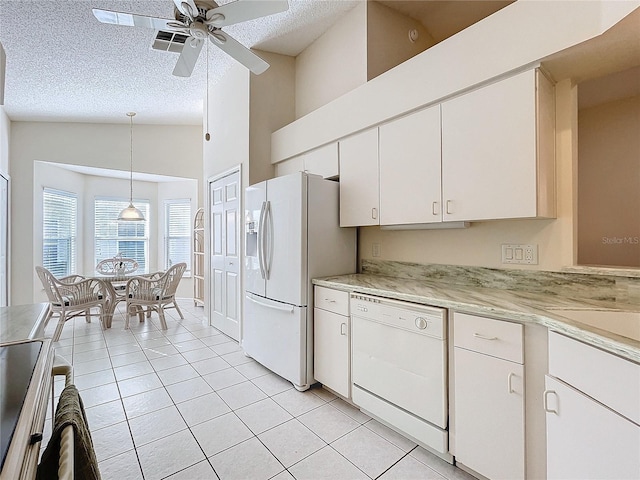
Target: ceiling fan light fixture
pixel 219 38
pixel 214 18
pixel 131 213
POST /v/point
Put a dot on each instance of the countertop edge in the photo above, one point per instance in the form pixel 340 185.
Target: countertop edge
pixel 603 340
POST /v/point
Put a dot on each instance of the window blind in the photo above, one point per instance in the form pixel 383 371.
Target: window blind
pixel 113 237
pixel 178 233
pixel 59 229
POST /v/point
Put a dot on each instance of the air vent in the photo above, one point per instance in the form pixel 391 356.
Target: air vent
pixel 169 42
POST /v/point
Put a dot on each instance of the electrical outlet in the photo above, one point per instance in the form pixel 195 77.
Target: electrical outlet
pixel 375 250
pixel 520 253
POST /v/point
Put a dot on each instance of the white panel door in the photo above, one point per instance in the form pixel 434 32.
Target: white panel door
pixel 331 350
pixel 489 415
pixel 286 242
pixel 359 195
pixel 586 440
pixel 225 255
pixel 410 169
pixel 489 151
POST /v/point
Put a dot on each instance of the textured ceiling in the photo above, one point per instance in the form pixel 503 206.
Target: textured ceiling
pixel 63 65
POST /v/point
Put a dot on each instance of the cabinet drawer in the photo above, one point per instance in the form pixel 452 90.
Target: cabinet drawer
pixel 332 300
pixel 611 380
pixel 492 337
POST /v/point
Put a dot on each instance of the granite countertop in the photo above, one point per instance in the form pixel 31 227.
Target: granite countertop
pixel 523 306
pixel 22 322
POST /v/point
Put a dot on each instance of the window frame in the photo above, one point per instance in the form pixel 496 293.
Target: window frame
pixel 48 241
pixel 188 236
pixel 111 207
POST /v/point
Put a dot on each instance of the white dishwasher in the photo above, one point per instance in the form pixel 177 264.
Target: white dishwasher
pixel 399 367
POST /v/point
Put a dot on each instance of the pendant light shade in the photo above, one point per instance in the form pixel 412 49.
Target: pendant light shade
pixel 131 213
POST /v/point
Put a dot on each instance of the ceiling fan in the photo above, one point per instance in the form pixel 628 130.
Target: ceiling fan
pixel 202 19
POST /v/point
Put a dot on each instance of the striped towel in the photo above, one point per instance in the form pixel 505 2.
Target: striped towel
pixel 70 411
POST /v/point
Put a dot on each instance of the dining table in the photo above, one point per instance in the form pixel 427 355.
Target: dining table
pixel 116 287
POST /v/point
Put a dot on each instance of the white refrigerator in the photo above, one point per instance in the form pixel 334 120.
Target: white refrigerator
pixel 292 235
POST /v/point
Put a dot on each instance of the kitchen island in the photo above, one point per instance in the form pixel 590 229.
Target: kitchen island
pixel 26 360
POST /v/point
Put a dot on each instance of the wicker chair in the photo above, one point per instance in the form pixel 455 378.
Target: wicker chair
pixel 154 293
pixel 72 297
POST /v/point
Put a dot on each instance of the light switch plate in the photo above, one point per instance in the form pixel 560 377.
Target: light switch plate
pixel 375 250
pixel 520 253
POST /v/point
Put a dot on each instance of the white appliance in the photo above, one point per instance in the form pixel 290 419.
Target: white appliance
pixel 292 235
pixel 399 367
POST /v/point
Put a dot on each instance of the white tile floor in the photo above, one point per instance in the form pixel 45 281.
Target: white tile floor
pixel 186 403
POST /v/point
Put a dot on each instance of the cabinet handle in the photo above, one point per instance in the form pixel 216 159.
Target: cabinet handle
pixel 434 208
pixel 484 337
pixel 509 385
pixel 448 205
pixel 343 329
pixel 328 300
pixel 546 402
pixel 374 213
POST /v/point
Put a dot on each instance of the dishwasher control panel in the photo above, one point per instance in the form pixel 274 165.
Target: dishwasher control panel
pixel 414 317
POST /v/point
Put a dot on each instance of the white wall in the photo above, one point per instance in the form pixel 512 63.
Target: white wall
pixel 334 64
pixel 167 150
pixel 272 106
pixel 388 42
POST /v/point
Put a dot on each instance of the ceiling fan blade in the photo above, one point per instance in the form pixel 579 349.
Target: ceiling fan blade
pixel 188 57
pixel 235 49
pixel 243 10
pixel 190 10
pixel 131 20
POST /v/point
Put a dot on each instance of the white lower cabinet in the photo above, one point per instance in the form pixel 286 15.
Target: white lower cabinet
pixel 331 357
pixel 489 408
pixel 590 434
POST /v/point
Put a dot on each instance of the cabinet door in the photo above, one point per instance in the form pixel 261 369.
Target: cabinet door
pixel 489 414
pixel 586 440
pixel 410 172
pixel 359 203
pixel 489 151
pixel 331 350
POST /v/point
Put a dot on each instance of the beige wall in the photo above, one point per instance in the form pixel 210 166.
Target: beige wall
pixel 388 41
pixel 272 106
pixel 609 184
pixel 334 64
pixel 166 150
pixel 480 244
pixel 5 130
pixel 228 115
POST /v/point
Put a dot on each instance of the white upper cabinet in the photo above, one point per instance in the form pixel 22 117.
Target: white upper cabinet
pixel 498 151
pixel 359 179
pixel 410 169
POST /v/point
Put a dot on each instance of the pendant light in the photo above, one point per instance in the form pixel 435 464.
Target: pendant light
pixel 131 213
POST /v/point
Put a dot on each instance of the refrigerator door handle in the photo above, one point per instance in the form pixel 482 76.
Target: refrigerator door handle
pixel 268 257
pixel 263 211
pixel 284 308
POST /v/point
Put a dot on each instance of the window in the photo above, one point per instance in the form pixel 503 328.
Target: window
pixel 177 236
pixel 59 225
pixel 113 237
